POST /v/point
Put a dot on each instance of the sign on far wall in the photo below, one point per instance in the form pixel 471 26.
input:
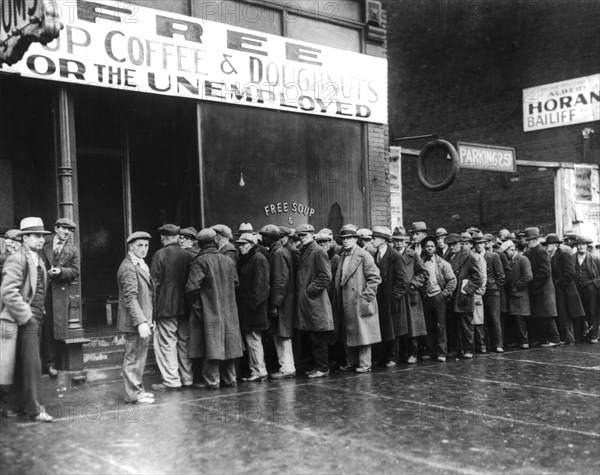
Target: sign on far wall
pixel 574 101
pixel 123 46
pixel 486 157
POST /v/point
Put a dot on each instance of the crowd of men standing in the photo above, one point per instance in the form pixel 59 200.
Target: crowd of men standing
pixel 282 302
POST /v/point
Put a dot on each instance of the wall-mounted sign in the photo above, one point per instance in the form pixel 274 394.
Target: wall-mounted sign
pixel 123 46
pixel 486 157
pixel 283 208
pixel 562 103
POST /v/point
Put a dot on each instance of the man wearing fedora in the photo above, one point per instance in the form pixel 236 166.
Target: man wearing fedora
pixel 134 320
pixel 315 318
pixel 390 293
pixel 356 284
pixel 568 303
pixel 400 239
pixel 224 244
pixel 169 269
pixel 419 231
pixel 214 324
pixel 61 257
pixel 24 284
pixel 541 290
pixel 587 280
pixel 470 239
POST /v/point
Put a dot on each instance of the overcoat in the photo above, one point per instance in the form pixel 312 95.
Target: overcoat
pixel 19 281
pixel 468 278
pixel 568 302
pixel 230 251
pixel 312 280
pixel 59 296
pixel 507 280
pixel 390 292
pixel 136 296
pixel 542 296
pixel 412 316
pixel 214 323
pixel 170 268
pixel 253 293
pixel 518 293
pixel 356 297
pixel 282 290
pixel 334 261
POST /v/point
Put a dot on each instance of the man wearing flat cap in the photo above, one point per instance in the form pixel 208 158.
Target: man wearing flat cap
pixel 214 324
pixel 442 247
pixel 170 268
pixel 12 245
pixel 61 257
pixel 224 244
pixel 136 297
pixel 587 280
pixel 187 240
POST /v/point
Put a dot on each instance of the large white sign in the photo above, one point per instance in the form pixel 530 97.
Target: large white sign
pixel 116 45
pixel 561 103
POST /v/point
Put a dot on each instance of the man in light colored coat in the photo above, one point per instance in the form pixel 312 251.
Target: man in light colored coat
pixel 136 295
pixel 356 284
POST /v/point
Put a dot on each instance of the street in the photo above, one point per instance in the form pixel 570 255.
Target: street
pixel 534 411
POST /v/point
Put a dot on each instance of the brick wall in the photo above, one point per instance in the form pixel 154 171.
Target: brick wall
pixel 457 69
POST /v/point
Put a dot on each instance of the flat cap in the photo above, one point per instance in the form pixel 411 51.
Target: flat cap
pixel 507 245
pixel 464 237
pixel 13 235
pixel 441 232
pixel 270 230
pixel 206 234
pixel 285 231
pixel 223 230
pixel 453 238
pixel 552 239
pixel 168 230
pixel 190 232
pixel 247 238
pixel 320 237
pixel 326 231
pixel 583 240
pixel 65 223
pixel 489 237
pixel 305 229
pixel 138 235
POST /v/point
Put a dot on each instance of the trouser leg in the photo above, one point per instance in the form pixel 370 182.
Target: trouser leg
pixel 48 341
pixel 479 336
pixel 165 350
pixel 256 354
pixel 465 321
pixel 551 330
pixel 364 356
pixel 186 372
pixel 134 362
pixel 228 374
pixel 521 329
pixel 491 306
pixel 320 344
pixel 285 355
pixel 29 371
pixel 413 345
pixel 211 372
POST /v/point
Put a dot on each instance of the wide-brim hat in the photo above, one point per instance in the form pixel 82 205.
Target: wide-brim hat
pixel 399 234
pixel 138 235
pixel 532 233
pixel 169 230
pixel 478 237
pixel 245 228
pixel 552 239
pixel 489 237
pixel 65 223
pixel 464 237
pixel 419 226
pixel 583 240
pixel 13 235
pixel 190 233
pixel 349 230
pixel 365 233
pixel 223 230
pixel 382 232
pixel 206 235
pixel 32 225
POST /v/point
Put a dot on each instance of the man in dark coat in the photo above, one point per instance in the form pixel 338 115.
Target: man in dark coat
pixel 282 300
pixel 224 244
pixel 61 257
pixel 587 280
pixel 214 324
pixel 442 248
pixel 390 293
pixel 568 303
pixel 253 303
pixel 136 296
pixel 314 308
pixel 493 288
pixel 468 280
pixel 170 268
pixel 541 290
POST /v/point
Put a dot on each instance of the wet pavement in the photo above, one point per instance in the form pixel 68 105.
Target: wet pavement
pixel 524 411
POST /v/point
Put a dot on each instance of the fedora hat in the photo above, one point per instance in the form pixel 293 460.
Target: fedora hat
pixel 206 235
pixel 65 223
pixel 473 230
pixel 382 232
pixel 489 237
pixel 223 230
pixel 478 237
pixel 399 234
pixel 552 239
pixel 439 232
pixel 465 237
pixel 32 225
pixel 138 235
pixel 453 238
pixel 13 235
pixel 419 226
pixel 532 233
pixel 245 228
pixel 365 233
pixel 349 230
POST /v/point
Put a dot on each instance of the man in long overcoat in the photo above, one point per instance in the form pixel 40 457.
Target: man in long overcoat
pixel 542 295
pixel 356 284
pixel 390 293
pixel 170 267
pixel 517 299
pixel 314 308
pixel 253 303
pixel 214 324
pixel 224 244
pixel 61 257
pixel 587 279
pixel 282 300
pixel 568 303
pixel 136 300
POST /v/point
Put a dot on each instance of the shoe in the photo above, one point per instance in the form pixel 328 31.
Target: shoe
pixel 347 367
pixel 363 369
pixel 205 386
pixel 255 378
pixel 233 384
pixel 163 387
pixel 310 371
pixel 499 350
pixel 43 417
pixel 6 413
pixel 52 371
pixel 145 394
pixel 143 399
pixel 569 343
pixel 549 344
pixel 441 359
pixel 594 341
pixel 391 364
pixel 187 386
pixel 282 375
pixel 411 360
pixel 318 374
pixel 524 346
pixel 483 350
pixel 425 358
pixel 468 356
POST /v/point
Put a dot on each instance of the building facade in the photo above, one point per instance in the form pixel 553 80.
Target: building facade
pixel 124 130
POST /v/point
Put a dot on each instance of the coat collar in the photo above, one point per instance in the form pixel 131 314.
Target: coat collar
pixel 146 276
pixel 355 257
pixel 385 262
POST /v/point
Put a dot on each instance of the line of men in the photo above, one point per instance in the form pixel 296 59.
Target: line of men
pixel 376 297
